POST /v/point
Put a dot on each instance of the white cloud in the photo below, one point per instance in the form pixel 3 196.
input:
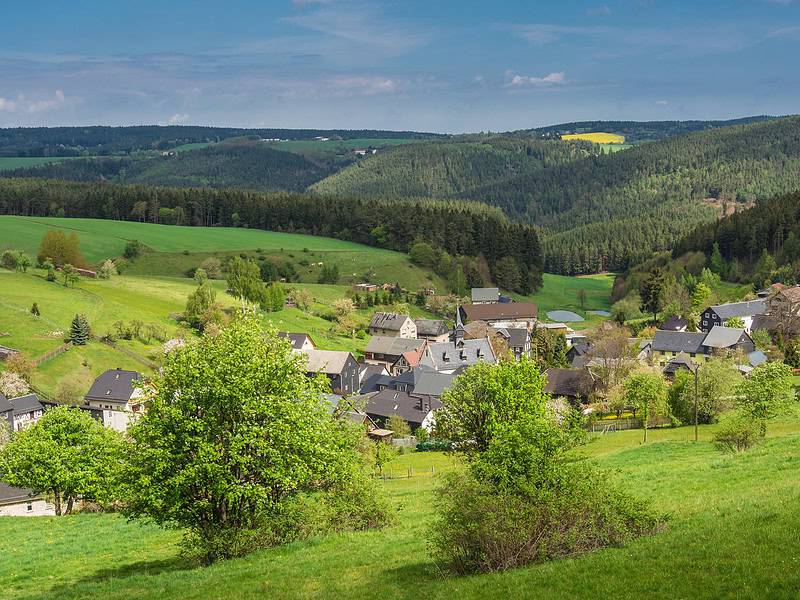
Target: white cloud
pixel 178 119
pixel 551 79
pixel 25 105
pixel 600 11
pixel 662 102
pixel 368 86
pixel 791 31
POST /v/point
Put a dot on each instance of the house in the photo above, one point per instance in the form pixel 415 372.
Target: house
pixel 668 344
pixel 340 367
pixel 576 385
pixel 433 330
pixel 114 393
pixel 770 290
pixel 383 350
pixel 369 376
pixel 719 315
pixel 578 354
pixel 485 295
pixel 417 411
pixel 449 356
pixel 674 323
pixel 422 381
pixel 392 325
pixel 518 340
pixel 20 502
pixel 556 327
pixel 6 353
pixel 300 342
pixel 729 338
pixel 680 362
pixel 25 411
pixel 511 314
pixel 366 288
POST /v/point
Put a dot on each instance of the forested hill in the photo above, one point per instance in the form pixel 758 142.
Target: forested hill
pixel 451 168
pixel 600 212
pixel 644 131
pixel 101 140
pixel 772 225
pixel 248 165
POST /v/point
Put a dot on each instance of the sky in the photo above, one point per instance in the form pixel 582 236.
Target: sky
pixel 425 65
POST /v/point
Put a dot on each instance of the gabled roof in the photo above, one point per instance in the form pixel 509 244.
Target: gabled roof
pixel 724 337
pixel 115 384
pixel 682 361
pixel 569 382
pixel 679 341
pixel 674 323
pixel 392 402
pixel 431 327
pixel 485 294
pixel 431 383
pixel 740 309
pixel 390 321
pixel 393 346
pixel 500 312
pixel 516 337
pixel 446 356
pixel 756 358
pixel 331 362
pixel 297 339
pixel 26 404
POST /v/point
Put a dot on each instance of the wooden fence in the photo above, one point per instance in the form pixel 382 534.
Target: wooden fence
pixel 131 354
pixel 612 425
pixel 52 354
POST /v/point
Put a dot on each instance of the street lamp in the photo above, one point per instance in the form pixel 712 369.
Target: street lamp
pixel 696 372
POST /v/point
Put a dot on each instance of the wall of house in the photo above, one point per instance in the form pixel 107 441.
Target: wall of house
pixel 32 508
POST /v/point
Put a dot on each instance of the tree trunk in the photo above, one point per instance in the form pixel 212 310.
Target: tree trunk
pixel 70 502
pixel 57 501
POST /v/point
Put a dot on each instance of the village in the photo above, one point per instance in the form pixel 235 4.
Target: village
pixel 408 364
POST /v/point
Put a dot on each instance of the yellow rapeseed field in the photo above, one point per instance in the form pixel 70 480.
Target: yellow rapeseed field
pixel 597 138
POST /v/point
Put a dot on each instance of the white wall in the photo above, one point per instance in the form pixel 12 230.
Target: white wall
pixel 39 508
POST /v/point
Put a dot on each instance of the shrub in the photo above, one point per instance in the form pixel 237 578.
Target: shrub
pixel 132 249
pixel 737 434
pixel 434 446
pixel 484 528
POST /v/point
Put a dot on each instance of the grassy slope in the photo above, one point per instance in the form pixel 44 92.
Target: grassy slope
pixel 734 525
pixel 561 292
pixel 148 299
pixel 102 239
pixel 9 163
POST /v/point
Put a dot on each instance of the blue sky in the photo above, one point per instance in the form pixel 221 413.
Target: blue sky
pixel 435 65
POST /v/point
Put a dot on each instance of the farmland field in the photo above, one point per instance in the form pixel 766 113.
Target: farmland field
pixel 9 163
pixel 733 527
pixel 303 146
pixel 597 137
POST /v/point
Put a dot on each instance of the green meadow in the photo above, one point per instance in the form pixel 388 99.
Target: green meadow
pixel 9 163
pixel 733 526
pixel 563 292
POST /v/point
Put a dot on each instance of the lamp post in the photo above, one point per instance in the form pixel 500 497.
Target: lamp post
pixel 696 372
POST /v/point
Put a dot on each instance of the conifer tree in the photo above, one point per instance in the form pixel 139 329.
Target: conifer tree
pixel 79 331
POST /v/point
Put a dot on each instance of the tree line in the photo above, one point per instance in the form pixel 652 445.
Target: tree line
pixel 460 228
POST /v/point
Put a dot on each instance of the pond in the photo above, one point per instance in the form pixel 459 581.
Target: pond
pixel 600 313
pixel 564 316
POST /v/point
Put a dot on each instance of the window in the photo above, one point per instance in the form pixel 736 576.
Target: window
pixel 29 508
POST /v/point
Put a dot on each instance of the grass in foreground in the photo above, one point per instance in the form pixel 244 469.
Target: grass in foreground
pixel 735 521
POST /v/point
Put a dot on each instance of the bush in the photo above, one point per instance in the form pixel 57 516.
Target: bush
pixel 737 434
pixel 132 249
pixel 484 528
pixel 434 446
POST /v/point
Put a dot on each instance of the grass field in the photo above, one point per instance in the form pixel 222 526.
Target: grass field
pixel 561 292
pixel 178 249
pixel 609 148
pixel 9 163
pixel 597 137
pixel 303 146
pixel 733 527
pixel 145 298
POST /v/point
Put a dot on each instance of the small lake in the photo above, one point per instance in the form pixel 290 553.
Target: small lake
pixel 600 313
pixel 564 316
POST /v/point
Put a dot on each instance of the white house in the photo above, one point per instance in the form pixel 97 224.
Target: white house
pixel 19 502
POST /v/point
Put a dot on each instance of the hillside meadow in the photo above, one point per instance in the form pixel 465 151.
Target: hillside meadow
pixel 733 525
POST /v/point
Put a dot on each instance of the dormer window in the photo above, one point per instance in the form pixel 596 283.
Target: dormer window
pixel 445 357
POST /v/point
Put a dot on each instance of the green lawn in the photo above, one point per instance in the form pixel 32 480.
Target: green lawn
pixel 174 250
pixel 561 292
pixel 733 527
pixel 9 163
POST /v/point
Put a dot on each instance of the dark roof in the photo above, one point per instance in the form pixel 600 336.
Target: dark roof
pixel 500 312
pixel 740 309
pixel 390 321
pixel 723 337
pixel 115 384
pixel 572 383
pixel 296 339
pixel 431 383
pixel 392 346
pixel 485 294
pixel 26 404
pixel 5 405
pixel 14 495
pixel 432 327
pixel 516 337
pixel 445 356
pixel 674 324
pixel 682 361
pixel 391 402
pixel 679 341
